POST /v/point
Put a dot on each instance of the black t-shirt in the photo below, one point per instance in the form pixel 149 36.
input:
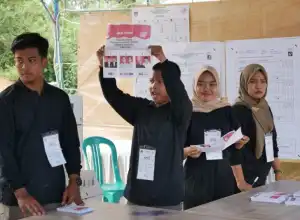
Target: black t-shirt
pixel 162 128
pixel 221 119
pixel 249 161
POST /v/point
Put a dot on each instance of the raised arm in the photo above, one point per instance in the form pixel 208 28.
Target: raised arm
pixel 124 104
pixel 180 102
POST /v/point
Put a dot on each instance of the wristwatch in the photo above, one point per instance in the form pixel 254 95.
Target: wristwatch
pixel 277 171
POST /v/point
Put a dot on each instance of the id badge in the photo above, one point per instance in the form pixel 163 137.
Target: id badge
pixel 269 147
pixel 213 138
pixel 146 163
pixel 53 149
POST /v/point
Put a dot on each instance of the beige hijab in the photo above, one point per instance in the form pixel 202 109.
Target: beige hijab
pixel 260 110
pixel 198 104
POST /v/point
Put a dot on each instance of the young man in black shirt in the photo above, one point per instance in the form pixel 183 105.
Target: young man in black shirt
pixel 155 176
pixel 38 137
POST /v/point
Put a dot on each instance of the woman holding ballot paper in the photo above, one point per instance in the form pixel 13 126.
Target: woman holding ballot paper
pixel 256 119
pixel 211 169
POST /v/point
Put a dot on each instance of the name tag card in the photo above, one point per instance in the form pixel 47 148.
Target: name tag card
pixel 213 139
pixel 269 147
pixel 146 164
pixel 53 149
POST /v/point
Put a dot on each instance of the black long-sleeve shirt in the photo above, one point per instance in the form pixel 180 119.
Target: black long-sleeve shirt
pixel 24 117
pixel 163 128
pixel 250 164
pixel 220 119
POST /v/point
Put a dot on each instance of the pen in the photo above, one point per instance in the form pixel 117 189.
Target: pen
pixel 255 181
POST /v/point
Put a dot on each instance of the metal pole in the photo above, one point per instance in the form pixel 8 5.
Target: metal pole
pixel 47 10
pixel 58 54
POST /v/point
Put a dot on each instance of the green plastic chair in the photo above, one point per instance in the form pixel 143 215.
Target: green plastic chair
pixel 112 192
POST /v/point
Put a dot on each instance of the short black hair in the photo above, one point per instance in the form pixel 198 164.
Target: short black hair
pixel 160 67
pixel 31 40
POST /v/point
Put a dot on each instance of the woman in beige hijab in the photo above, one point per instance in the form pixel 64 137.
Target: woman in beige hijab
pixel 256 119
pixel 210 176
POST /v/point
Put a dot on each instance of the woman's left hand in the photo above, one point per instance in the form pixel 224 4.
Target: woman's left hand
pixel 240 144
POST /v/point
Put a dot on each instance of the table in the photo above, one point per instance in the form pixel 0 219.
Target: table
pixel 239 205
pixel 107 211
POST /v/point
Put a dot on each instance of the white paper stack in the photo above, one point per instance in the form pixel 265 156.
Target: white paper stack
pixel 293 201
pixel 78 210
pixel 270 197
pixel 296 194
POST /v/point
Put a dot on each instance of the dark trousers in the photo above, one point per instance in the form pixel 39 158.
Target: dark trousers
pixel 209 181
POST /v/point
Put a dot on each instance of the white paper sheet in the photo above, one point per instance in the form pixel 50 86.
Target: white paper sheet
pixel 146 164
pixel 208 149
pixel 191 57
pixel 214 140
pixel 53 149
pixel 234 137
pixel 224 142
pixel 270 197
pixel 126 51
pixel 280 57
pixel 168 23
pixel 141 88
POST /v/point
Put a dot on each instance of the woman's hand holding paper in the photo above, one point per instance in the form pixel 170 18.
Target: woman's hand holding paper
pixel 240 144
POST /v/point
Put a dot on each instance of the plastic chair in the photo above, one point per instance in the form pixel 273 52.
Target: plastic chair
pixel 112 192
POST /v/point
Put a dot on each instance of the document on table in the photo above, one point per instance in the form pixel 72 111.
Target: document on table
pixel 293 201
pixel 78 210
pixel 126 51
pixel 168 23
pixel 191 57
pixel 296 194
pixel 280 57
pixel 270 197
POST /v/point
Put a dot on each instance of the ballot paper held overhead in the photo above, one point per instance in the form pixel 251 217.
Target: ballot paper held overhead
pixel 126 51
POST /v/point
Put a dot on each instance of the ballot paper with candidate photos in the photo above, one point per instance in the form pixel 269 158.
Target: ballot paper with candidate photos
pixel 224 142
pixel 127 52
